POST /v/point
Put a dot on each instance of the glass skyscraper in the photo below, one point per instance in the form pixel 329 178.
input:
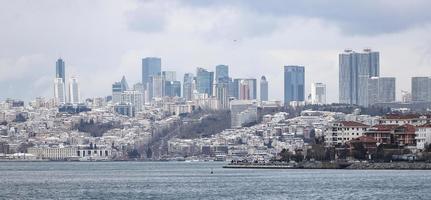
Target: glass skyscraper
pixel 381 90
pixel 294 81
pixel 204 81
pixel 188 86
pixel 60 70
pixel 421 89
pixel 222 73
pixel 354 71
pixel 151 66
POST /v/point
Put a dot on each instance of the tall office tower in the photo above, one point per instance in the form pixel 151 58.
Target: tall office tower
pixel 172 88
pixel 294 81
pixel 60 70
pixel 139 87
pixel 117 89
pixel 74 92
pixel 222 94
pixel 381 90
pixel 354 72
pixel 59 91
pixel 239 88
pixel 124 85
pixel 133 97
pixel 158 86
pixel 204 81
pixel 150 67
pixel 318 93
pixel 222 73
pixel 169 75
pixel 188 86
pixel 421 89
pixel 263 89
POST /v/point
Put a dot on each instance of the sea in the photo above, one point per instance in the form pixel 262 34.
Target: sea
pixel 194 180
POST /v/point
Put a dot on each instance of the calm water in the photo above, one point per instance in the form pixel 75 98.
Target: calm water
pixel 180 180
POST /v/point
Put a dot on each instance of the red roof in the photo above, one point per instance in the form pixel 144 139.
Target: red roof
pixel 425 126
pixel 398 116
pixel 384 127
pixel 353 123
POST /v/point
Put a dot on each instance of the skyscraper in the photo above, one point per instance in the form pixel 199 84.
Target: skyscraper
pixel 245 88
pixel 222 94
pixel 151 66
pixel 354 71
pixel 59 91
pixel 381 90
pixel 158 86
pixel 74 93
pixel 222 73
pixel 118 88
pixel 318 93
pixel 173 88
pixel 169 75
pixel 421 89
pixel 60 70
pixel 294 81
pixel 204 81
pixel 188 86
pixel 263 89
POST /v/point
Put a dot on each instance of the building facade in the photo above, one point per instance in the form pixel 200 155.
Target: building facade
pixel 421 89
pixel 381 90
pixel 204 81
pixel 318 93
pixel 354 71
pixel 294 82
pixel 263 89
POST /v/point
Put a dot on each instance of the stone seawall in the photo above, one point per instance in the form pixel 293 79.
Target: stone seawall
pixel 333 165
pixel 392 165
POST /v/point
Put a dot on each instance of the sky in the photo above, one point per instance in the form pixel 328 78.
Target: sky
pixel 102 40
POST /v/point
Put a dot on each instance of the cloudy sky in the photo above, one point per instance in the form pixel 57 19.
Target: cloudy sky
pixel 102 40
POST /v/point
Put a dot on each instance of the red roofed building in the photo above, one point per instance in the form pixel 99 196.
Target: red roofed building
pixel 401 119
pixel 344 131
pixel 393 134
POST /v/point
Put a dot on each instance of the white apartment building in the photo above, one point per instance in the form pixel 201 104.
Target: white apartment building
pixel 423 136
pixel 344 131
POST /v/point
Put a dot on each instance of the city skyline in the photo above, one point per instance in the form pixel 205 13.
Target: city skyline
pixel 286 40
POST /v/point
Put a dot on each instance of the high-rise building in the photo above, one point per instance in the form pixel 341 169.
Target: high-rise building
pixel 151 66
pixel 173 88
pixel 381 90
pixel 222 94
pixel 245 88
pixel 60 70
pixel 263 89
pixel 421 88
pixel 74 92
pixel 222 73
pixel 169 75
pixel 59 91
pixel 354 71
pixel 294 81
pixel 318 93
pixel 204 81
pixel 188 86
pixel 124 85
pixel 117 89
pixel 133 97
pixel 158 86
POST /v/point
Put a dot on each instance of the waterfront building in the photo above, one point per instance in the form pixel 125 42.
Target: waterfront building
pixel 341 132
pixel 354 71
pixel 421 89
pixel 294 81
pixel 263 89
pixel 423 136
pixel 204 81
pixel 318 93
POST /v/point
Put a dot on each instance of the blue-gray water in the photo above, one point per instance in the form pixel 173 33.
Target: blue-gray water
pixel 181 180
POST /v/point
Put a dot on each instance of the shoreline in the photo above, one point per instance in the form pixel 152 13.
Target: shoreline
pixel 344 166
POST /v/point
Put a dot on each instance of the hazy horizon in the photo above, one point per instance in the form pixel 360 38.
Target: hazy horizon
pixel 100 41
